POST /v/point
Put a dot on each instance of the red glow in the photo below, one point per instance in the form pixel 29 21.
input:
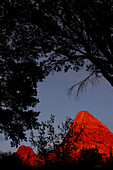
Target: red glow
pixel 85 132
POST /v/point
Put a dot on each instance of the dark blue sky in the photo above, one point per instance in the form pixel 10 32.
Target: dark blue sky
pixel 54 99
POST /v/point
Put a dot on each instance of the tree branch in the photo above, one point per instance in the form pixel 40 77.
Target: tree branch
pixel 82 84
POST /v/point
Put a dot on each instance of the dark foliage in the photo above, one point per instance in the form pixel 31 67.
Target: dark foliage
pixel 46 139
pixel 90 157
pixel 82 36
pixel 19 70
pixel 11 161
pixel 8 160
pixel 66 34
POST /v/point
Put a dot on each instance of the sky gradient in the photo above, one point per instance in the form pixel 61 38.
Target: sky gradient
pixel 54 99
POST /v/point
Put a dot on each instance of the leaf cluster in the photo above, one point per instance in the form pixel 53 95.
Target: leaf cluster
pixel 45 139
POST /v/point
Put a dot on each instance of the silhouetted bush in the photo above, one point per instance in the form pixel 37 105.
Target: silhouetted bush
pixel 46 139
pixel 10 161
pixel 88 159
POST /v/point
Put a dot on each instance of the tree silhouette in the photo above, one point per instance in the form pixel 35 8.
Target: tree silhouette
pixel 45 138
pixel 19 71
pixel 50 36
pixel 83 38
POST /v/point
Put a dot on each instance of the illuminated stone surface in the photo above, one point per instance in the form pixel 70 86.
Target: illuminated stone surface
pixel 27 156
pixel 85 131
pixel 91 134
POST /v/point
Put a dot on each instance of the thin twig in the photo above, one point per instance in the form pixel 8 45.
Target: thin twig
pixel 81 85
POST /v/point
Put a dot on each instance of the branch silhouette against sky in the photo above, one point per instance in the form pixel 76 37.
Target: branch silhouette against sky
pixel 39 37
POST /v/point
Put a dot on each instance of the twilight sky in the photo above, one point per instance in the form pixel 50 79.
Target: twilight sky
pixel 54 99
